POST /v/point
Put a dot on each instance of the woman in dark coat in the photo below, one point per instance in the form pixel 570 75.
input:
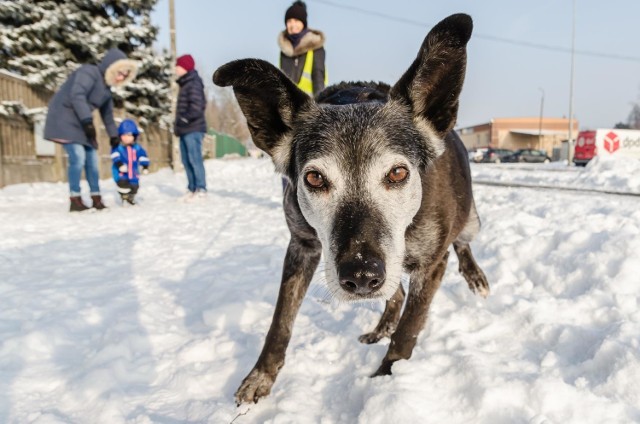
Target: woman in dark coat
pixel 302 52
pixel 70 121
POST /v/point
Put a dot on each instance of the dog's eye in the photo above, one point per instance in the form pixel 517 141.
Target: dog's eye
pixel 398 174
pixel 314 179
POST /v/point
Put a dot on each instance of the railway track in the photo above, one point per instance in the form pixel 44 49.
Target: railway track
pixel 479 181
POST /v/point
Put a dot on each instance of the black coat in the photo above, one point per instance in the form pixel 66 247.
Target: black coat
pixel 292 59
pixel 191 105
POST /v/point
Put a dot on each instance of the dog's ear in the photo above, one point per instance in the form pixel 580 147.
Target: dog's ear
pixel 432 84
pixel 269 101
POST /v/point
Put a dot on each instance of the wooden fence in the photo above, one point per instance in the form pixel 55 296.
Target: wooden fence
pixel 15 88
pixel 25 157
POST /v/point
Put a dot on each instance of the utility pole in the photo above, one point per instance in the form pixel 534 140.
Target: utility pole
pixel 573 42
pixel 540 124
pixel 176 164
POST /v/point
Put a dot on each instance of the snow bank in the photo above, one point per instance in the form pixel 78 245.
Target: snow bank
pixel 616 174
pixel 154 314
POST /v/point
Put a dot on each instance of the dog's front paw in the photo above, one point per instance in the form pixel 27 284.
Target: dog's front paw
pixel 256 385
pixel 370 338
pixel 478 283
pixel 384 369
pixel 384 329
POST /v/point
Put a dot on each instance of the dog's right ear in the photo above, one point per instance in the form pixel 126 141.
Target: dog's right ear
pixel 269 101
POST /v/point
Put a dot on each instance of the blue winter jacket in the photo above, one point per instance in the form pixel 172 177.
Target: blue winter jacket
pixel 84 91
pixel 133 156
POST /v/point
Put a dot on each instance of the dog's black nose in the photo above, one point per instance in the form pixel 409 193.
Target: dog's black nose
pixel 362 277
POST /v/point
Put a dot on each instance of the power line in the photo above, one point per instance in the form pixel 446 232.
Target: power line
pixel 484 36
pixel 559 49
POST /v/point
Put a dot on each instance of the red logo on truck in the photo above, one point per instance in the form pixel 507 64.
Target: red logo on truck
pixel 611 142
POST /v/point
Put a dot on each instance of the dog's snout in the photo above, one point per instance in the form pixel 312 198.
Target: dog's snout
pixel 362 277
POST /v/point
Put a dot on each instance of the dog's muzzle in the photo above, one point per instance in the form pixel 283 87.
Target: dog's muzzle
pixel 362 278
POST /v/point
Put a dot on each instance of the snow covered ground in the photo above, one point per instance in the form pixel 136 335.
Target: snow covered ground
pixel 155 313
pixel 603 175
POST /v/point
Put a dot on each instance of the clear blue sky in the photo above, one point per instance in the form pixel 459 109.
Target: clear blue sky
pixel 378 39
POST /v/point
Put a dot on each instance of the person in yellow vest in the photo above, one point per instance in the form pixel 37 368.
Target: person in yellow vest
pixel 302 51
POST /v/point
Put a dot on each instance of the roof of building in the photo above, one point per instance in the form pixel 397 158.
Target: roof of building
pixel 537 132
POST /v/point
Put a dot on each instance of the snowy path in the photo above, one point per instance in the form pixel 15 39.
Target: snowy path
pixel 155 314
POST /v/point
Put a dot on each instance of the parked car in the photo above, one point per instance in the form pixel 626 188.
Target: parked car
pixel 492 155
pixel 475 154
pixel 527 155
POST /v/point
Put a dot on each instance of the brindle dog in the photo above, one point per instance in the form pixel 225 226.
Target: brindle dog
pixel 378 182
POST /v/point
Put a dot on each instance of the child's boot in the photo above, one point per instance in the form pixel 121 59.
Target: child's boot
pixel 131 199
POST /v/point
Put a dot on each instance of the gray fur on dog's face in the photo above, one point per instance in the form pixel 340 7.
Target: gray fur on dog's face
pixel 360 213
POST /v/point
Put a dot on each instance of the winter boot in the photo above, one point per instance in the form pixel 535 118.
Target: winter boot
pixel 76 204
pixel 97 202
pixel 131 198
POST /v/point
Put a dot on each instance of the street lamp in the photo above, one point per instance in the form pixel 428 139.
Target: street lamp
pixel 573 42
pixel 540 123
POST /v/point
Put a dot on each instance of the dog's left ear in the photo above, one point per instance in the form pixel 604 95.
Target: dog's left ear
pixel 269 101
pixel 432 84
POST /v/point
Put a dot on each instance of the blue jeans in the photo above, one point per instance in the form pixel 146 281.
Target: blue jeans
pixel 82 157
pixel 191 153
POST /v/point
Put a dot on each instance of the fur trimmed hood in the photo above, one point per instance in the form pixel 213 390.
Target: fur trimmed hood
pixel 122 65
pixel 116 61
pixel 312 40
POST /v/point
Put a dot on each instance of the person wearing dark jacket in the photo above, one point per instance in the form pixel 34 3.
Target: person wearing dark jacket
pixel 190 124
pixel 302 52
pixel 70 122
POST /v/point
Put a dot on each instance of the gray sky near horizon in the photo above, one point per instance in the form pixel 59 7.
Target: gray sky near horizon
pixel 518 49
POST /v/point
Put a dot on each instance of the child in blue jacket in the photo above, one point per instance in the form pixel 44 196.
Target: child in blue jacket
pixel 127 156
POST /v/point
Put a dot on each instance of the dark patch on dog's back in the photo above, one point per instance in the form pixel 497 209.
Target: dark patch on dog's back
pixel 354 92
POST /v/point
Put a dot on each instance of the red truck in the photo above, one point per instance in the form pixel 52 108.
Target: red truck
pixel 606 142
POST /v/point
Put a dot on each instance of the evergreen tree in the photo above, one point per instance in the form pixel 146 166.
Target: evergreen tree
pixel 45 40
pixel 634 117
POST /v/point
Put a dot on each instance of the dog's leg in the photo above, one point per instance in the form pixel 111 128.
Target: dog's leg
pixel 468 267
pixel 389 319
pixel 470 270
pixel 299 265
pixel 424 284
